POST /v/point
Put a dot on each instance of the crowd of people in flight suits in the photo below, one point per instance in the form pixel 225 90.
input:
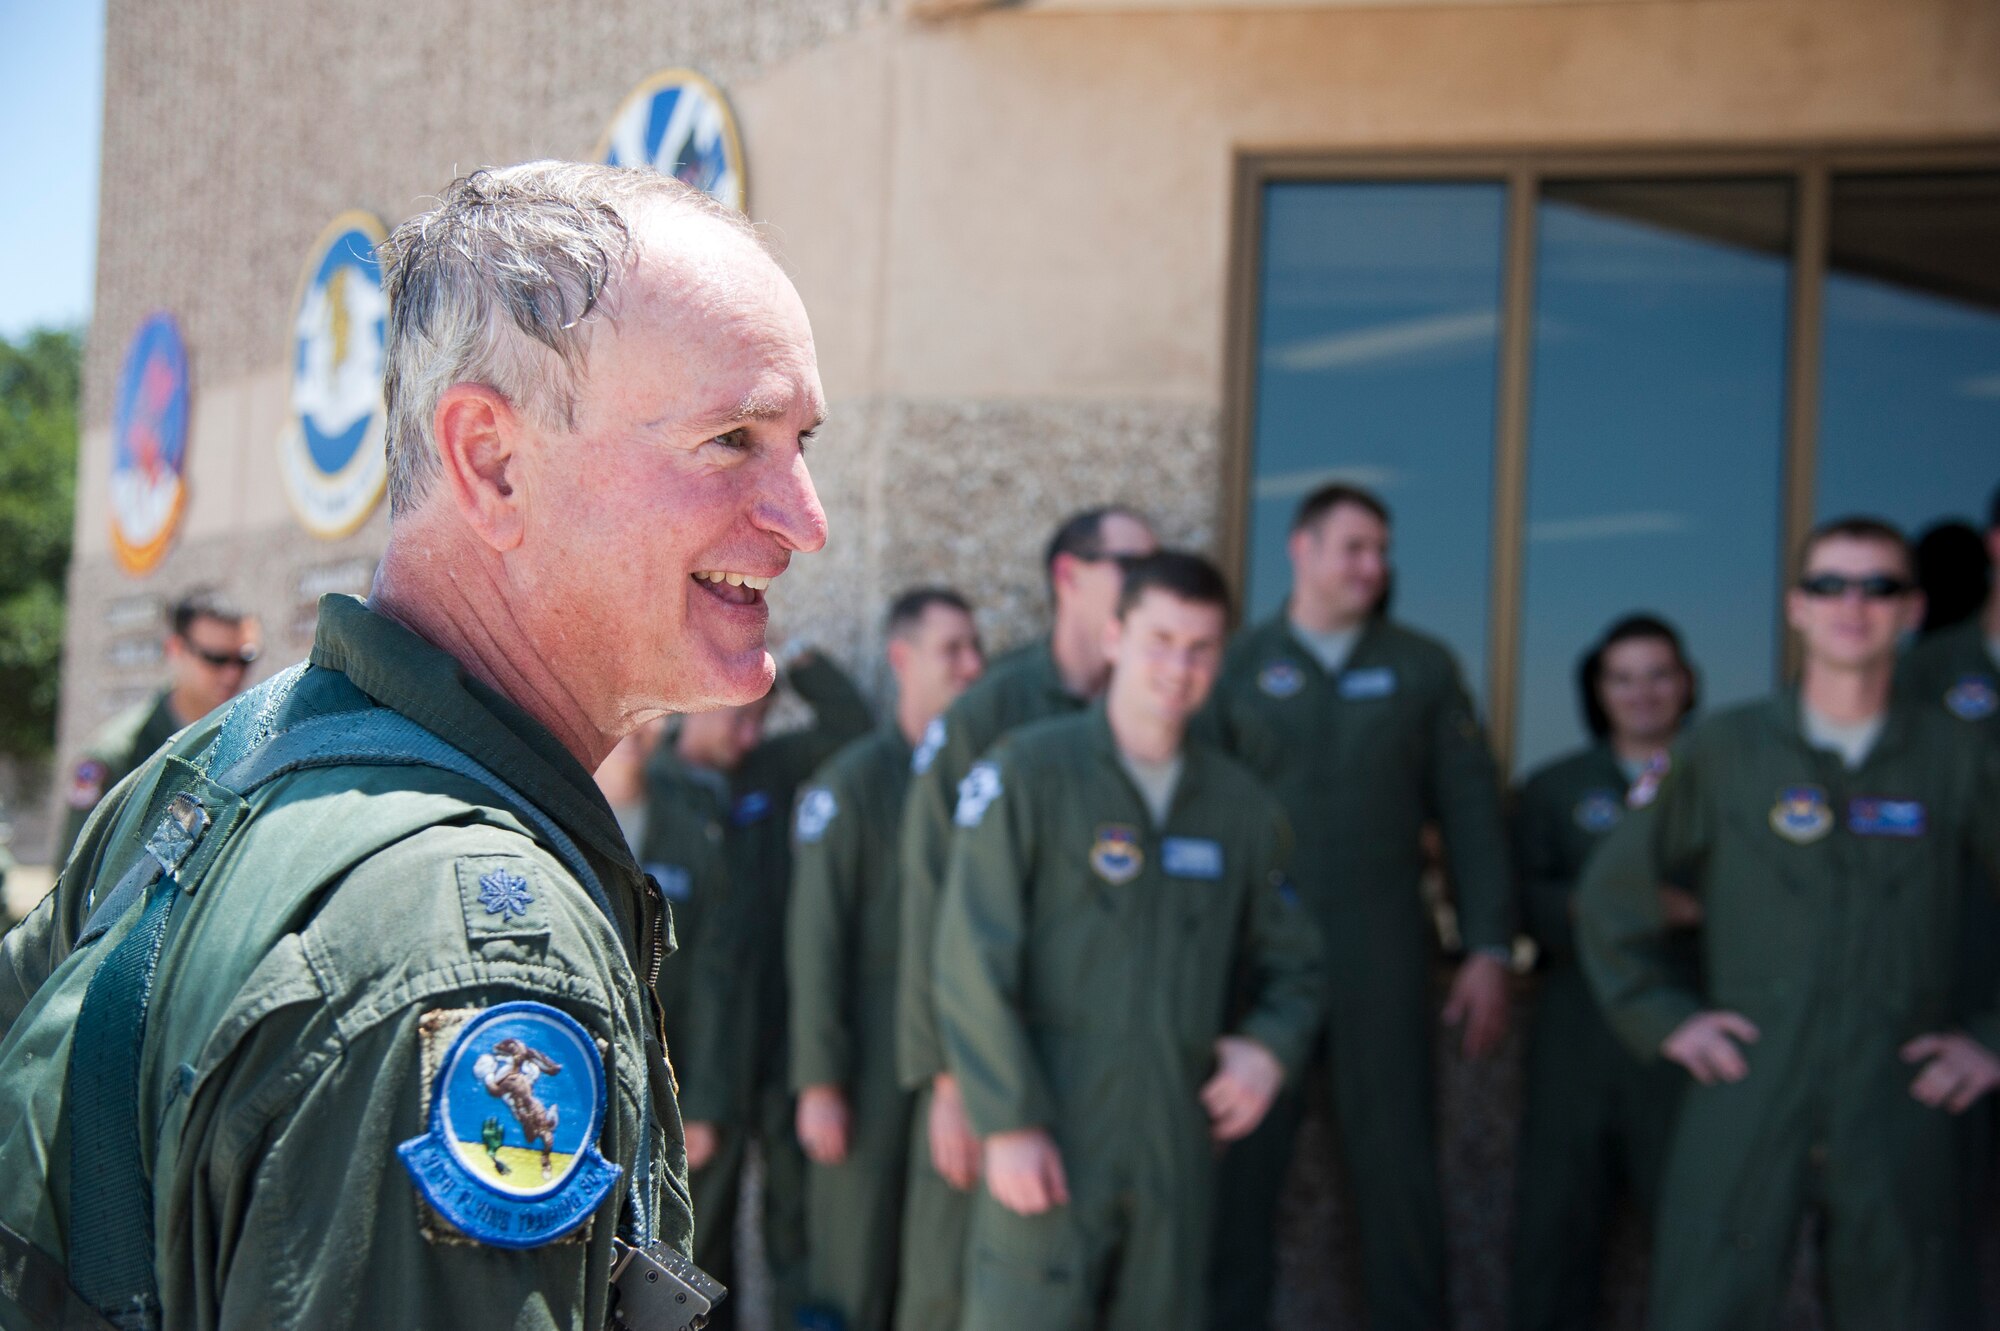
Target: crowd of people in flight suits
pixel 1020 993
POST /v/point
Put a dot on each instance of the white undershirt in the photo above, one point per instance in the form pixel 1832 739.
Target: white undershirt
pixel 1156 782
pixel 1331 650
pixel 1633 768
pixel 1852 741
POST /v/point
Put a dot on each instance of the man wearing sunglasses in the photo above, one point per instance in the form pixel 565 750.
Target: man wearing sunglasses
pixel 1827 831
pixel 210 648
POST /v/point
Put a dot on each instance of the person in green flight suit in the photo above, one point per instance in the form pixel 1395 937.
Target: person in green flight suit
pixel 1825 832
pixel 1592 1115
pixel 722 766
pixel 273 1000
pixel 1124 980
pixel 1048 677
pixel 1363 729
pixel 1959 667
pixel 841 938
pixel 209 648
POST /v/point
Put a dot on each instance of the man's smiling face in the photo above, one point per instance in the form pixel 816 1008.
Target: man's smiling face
pixel 655 526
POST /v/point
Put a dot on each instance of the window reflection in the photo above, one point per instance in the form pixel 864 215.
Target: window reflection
pixel 1378 330
pixel 1909 418
pixel 1656 432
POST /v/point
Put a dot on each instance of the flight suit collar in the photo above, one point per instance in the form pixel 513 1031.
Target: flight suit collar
pixel 403 672
pixel 1041 664
pixel 1280 627
pixel 1105 745
pixel 1786 712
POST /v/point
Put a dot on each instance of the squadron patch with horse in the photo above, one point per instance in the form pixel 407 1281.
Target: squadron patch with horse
pixel 517 1096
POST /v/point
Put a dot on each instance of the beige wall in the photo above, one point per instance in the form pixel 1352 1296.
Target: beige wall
pixel 1012 228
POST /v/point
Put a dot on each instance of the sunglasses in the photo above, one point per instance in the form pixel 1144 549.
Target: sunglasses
pixel 242 657
pixel 1873 587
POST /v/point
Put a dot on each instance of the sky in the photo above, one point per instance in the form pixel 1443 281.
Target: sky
pixel 51 107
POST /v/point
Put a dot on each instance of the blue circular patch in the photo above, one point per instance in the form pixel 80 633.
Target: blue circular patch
pixel 1281 679
pixel 1599 811
pixel 517 1102
pixel 1972 698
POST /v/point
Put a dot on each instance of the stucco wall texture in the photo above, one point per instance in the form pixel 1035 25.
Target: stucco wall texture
pixel 1011 228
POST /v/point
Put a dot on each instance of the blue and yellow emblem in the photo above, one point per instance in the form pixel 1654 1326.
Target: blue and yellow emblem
pixel 1599 811
pixel 517 1101
pixel 1972 698
pixel 1801 814
pixel 149 435
pixel 330 454
pixel 1281 679
pixel 680 124
pixel 1117 855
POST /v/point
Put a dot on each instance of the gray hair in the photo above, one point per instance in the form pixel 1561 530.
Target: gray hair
pixel 498 284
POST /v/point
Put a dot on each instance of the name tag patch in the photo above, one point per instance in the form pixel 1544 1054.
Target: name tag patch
pixel 676 883
pixel 751 808
pixel 1374 682
pixel 1881 817
pixel 516 1104
pixel 1191 857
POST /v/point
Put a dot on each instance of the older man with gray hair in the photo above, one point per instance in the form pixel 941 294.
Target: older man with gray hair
pixel 340 1013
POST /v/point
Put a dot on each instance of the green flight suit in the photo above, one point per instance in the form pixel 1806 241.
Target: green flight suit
pixel 742 1024
pixel 1832 902
pixel 841 941
pixel 283 1058
pixel 1361 760
pixel 1017 688
pixel 681 847
pixel 1593 1116
pixel 118 746
pixel 1086 962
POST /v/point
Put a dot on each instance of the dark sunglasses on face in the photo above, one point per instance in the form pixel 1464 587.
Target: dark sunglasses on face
pixel 1874 587
pixel 244 656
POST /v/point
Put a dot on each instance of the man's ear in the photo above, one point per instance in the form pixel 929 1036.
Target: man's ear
pixel 479 440
pixel 898 652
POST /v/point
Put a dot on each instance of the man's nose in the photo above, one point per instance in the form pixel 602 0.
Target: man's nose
pixel 791 510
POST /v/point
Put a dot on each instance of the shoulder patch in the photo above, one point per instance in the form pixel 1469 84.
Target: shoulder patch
pixel 86 784
pixel 503 896
pixel 1117 855
pixel 676 883
pixel 1972 698
pixel 979 789
pixel 1801 815
pixel 1281 679
pixel 817 808
pixel 1598 811
pixel 517 1098
pixel 929 747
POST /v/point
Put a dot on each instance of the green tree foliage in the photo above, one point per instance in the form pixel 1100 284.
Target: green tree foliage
pixel 40 378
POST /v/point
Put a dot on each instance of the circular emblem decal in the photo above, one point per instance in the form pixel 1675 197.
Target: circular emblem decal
pixel 1117 857
pixel 149 435
pixel 1281 679
pixel 1599 811
pixel 517 1102
pixel 679 123
pixel 1972 698
pixel 330 454
pixel 1801 814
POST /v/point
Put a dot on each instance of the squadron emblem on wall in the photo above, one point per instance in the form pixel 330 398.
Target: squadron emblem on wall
pixel 680 124
pixel 331 451
pixel 149 436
